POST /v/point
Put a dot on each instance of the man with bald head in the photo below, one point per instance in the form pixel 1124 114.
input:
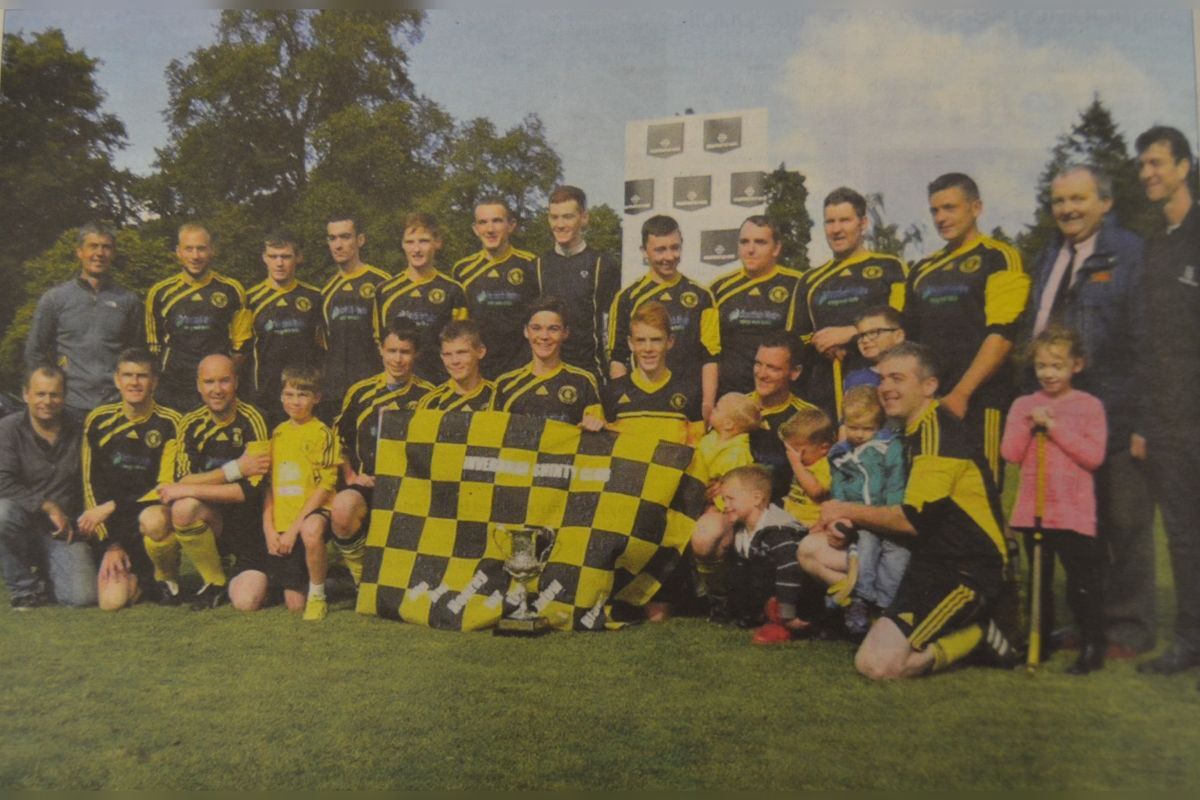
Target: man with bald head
pixel 1088 278
pixel 209 488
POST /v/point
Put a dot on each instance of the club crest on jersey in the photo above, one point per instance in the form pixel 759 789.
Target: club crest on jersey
pixel 567 395
pixel 303 303
pixel 219 299
pixel 678 401
pixel 779 294
pixel 515 277
pixel 236 436
pixel 366 291
pixel 153 439
pixel 873 272
pixel 437 296
pixel 689 299
pixel 972 264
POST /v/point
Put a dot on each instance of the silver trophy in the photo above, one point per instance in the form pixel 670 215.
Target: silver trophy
pixel 525 552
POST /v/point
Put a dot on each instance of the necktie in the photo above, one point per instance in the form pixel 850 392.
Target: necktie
pixel 1060 295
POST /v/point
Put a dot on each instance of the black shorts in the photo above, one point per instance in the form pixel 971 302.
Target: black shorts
pixel 937 597
pixel 242 538
pixel 291 571
pixel 123 529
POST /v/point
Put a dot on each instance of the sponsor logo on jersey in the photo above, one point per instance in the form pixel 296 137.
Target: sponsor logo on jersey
pixel 303 304
pixel 873 272
pixel 366 291
pixel 779 294
pixel 219 299
pixel 623 399
pixel 689 299
pixel 153 439
pixel 678 401
pixel 567 395
pixel 970 265
pixel 437 296
pixel 515 276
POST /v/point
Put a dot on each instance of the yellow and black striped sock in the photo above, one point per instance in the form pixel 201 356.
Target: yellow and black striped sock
pixel 164 555
pixel 955 646
pixel 710 575
pixel 352 551
pixel 198 541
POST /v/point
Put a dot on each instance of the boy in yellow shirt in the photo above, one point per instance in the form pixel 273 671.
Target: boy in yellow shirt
pixel 808 434
pixel 304 462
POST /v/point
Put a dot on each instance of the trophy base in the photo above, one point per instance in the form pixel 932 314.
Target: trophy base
pixel 537 626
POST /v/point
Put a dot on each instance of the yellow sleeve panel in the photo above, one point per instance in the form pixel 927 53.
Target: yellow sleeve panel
pixel 931 479
pixel 710 330
pixel 1005 297
pixel 170 465
pixel 897 295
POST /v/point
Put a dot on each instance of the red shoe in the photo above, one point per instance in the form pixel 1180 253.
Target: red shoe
pixel 772 633
pixel 772 611
pixel 1120 652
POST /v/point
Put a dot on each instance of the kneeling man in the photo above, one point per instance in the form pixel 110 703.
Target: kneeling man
pixel 951 514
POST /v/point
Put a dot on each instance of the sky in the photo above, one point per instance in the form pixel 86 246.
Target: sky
pixel 880 101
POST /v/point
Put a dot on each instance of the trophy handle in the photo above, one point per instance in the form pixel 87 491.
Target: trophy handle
pixel 499 536
pixel 550 537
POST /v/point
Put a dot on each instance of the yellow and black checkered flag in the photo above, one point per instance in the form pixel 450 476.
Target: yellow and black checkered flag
pixel 621 504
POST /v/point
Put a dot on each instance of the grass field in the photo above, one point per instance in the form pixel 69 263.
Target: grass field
pixel 157 698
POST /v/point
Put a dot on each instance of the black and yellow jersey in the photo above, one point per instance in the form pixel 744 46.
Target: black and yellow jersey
pixel 188 319
pixel 204 443
pixel 564 393
pixel 957 298
pixel 499 292
pixel 694 323
pixel 950 498
pixel 832 295
pixel 356 424
pixel 122 455
pixel 669 408
pixel 447 398
pixel 749 308
pixel 429 304
pixel 586 283
pixel 304 458
pixel 289 331
pixel 350 307
pixel 776 415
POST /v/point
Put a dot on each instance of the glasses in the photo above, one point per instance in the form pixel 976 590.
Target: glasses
pixel 869 336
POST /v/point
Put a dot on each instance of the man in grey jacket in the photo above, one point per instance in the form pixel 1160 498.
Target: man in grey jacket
pixel 82 325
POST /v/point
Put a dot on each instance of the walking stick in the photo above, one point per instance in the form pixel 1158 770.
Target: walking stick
pixel 1035 593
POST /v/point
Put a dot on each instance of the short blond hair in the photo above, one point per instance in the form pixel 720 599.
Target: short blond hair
pixel 754 477
pixel 744 410
pixel 302 378
pixel 809 426
pixel 862 401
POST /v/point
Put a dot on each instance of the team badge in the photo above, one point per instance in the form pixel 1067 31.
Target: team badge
pixel 689 299
pixel 437 296
pixel 972 264
pixel 779 294
pixel 236 436
pixel 678 401
pixel 515 277
pixel 219 299
pixel 303 303
pixel 153 439
pixel 567 395
pixel 873 272
pixel 366 291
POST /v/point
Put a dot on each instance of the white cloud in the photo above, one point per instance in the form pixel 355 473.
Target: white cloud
pixel 885 103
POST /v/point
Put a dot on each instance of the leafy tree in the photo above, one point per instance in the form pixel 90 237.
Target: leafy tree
pixel 786 196
pixel 1093 139
pixel 603 232
pixel 884 237
pixel 56 151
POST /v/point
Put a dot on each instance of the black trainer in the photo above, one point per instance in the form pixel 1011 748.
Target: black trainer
pixel 29 601
pixel 209 596
pixel 164 596
pixel 999 649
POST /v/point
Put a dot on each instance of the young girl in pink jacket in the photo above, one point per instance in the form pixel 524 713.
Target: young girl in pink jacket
pixel 1075 429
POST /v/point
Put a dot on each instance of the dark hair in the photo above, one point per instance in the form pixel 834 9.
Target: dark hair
pixel 281 237
pixel 785 341
pixel 1180 149
pixel 426 221
pixel 658 225
pixel 762 221
pixel 95 228
pixel 459 328
pixel 138 355
pixel 566 193
pixel 345 216
pixel 890 315
pixel 547 303
pixel 49 370
pixel 955 180
pixel 844 194
pixel 403 329
pixel 494 200
pixel 927 361
pixel 302 377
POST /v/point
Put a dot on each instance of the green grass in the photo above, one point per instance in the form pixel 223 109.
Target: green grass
pixel 154 698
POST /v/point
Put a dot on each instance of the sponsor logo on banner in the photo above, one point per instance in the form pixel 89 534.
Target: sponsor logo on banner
pixel 693 192
pixel 748 188
pixel 665 139
pixel 721 135
pixel 718 247
pixel 639 195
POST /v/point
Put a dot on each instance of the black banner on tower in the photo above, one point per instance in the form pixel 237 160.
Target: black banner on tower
pixel 722 135
pixel 719 247
pixel 665 139
pixel 693 192
pixel 748 188
pixel 639 196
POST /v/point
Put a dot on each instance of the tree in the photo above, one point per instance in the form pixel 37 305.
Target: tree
pixel 786 198
pixel 56 153
pixel 1094 139
pixel 883 237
